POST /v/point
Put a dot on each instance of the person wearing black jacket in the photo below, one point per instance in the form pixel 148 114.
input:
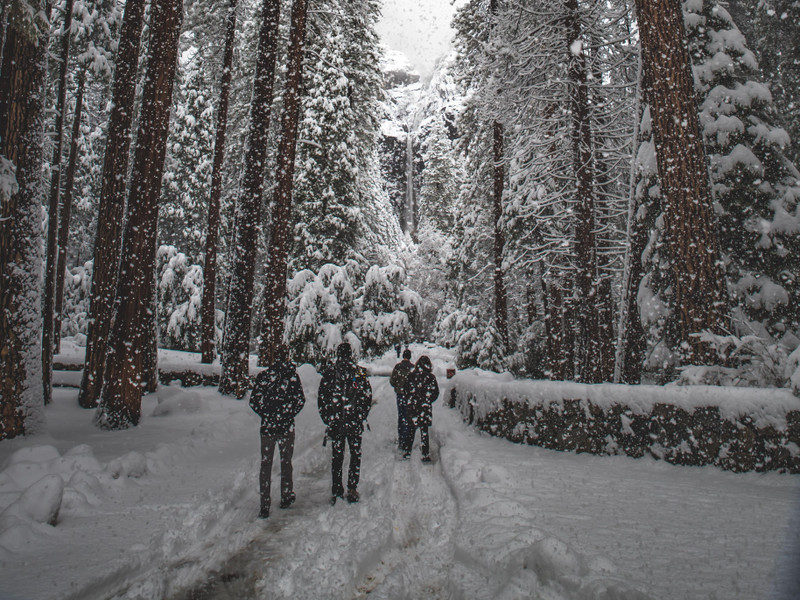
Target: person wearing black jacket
pixel 344 400
pixel 277 397
pixel 421 390
pixel 398 383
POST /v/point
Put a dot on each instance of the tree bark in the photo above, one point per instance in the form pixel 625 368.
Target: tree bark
pixel 212 233
pixel 275 285
pixel 52 265
pixel 500 302
pixel 108 240
pixel 700 295
pixel 499 242
pixel 553 328
pixel 235 374
pixel 131 332
pixel 586 276
pixel 634 345
pixel 66 213
pixel 22 80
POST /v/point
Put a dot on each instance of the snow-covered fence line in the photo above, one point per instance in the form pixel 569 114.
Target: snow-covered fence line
pixel 737 429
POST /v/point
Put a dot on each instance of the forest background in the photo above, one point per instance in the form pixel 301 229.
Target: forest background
pixel 589 191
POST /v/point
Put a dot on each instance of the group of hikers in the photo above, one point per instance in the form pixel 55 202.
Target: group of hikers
pixel 344 401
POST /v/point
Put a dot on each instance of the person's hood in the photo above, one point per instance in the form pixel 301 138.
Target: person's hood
pixel 424 364
pixel 344 369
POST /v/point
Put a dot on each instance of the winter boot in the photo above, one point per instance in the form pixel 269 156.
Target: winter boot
pixel 288 500
pixel 352 495
pixel 264 512
pixel 426 459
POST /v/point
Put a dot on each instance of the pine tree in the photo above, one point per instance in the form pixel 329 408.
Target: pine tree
pixel 236 336
pixel 272 329
pixel 440 176
pixel 339 208
pixel 389 310
pixel 756 190
pixel 567 151
pixel 22 79
pixel 755 193
pixel 52 253
pixel 189 159
pixel 108 240
pixel 473 251
pixel 771 28
pixel 120 405
pixel 209 312
pixel 96 25
pixel 700 297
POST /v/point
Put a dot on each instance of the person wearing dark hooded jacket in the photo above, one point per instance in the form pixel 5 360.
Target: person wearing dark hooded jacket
pixel 421 392
pixel 398 383
pixel 344 400
pixel 277 397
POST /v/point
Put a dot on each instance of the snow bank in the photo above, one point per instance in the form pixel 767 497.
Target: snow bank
pixel 37 481
pixel 740 429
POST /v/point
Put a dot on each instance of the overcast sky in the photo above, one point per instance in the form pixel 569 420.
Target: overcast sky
pixel 418 28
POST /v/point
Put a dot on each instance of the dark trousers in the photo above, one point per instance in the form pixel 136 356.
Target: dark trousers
pixel 403 425
pixel 285 442
pixel 337 445
pixel 424 440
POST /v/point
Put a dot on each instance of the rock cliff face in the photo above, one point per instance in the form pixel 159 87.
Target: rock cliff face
pixel 403 92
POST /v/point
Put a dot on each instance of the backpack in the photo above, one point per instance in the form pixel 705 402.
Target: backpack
pixel 400 376
pixel 267 387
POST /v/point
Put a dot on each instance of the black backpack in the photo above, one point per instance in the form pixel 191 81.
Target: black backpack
pixel 266 389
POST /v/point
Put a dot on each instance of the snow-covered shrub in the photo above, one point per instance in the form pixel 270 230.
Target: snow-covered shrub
pixel 530 358
pixel 180 295
pixel 390 309
pixel 476 341
pixel 751 361
pixel 313 325
pixel 327 308
pixel 77 288
pixel 320 313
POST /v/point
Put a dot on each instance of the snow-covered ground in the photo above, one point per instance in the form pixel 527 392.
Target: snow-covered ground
pixel 168 510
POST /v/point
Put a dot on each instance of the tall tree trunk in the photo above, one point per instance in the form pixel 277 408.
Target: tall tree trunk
pixel 275 284
pixel 633 344
pixel 212 233
pixel 121 399
pixel 632 271
pixel 238 315
pixel 700 295
pixel 553 327
pixel 108 240
pixel 150 351
pixel 22 80
pixel 66 212
pixel 586 279
pixel 500 303
pixel 52 265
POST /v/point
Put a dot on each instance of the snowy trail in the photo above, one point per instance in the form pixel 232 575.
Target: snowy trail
pixel 493 519
pixel 488 519
pixel 396 542
pixel 407 537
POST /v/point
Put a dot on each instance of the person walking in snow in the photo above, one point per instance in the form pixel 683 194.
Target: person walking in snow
pixel 398 382
pixel 421 390
pixel 277 397
pixel 344 400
